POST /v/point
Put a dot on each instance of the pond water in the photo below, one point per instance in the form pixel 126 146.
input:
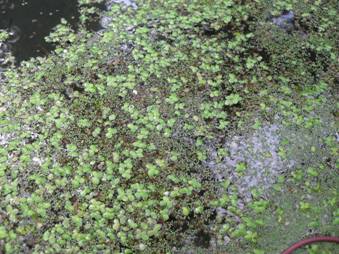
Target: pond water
pixel 30 21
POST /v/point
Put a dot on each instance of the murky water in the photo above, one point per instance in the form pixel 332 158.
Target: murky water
pixel 30 21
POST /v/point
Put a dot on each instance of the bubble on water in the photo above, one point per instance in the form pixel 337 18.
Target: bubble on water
pixel 14 34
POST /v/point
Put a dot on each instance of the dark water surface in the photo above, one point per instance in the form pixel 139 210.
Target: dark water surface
pixel 31 20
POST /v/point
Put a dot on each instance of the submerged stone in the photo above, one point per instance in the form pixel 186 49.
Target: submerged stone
pixel 256 158
pixel 257 155
pixel 285 20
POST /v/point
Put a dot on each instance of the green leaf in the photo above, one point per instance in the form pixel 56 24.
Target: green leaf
pixel 185 211
pixel 90 88
pixel 3 232
pixel 232 99
pixel 240 167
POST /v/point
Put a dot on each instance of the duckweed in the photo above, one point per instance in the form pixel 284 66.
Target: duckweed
pixel 105 141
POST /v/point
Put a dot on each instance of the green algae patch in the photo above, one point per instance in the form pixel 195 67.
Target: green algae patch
pixel 121 141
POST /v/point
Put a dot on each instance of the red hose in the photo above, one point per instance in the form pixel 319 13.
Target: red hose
pixel 315 239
